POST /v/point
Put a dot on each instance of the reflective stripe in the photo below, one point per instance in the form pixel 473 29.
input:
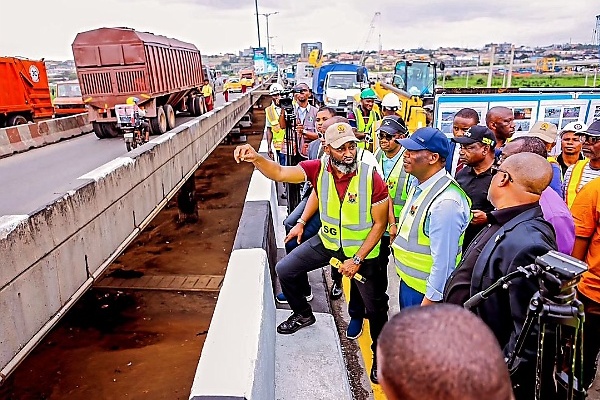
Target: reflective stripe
pixel 576 176
pixel 278 133
pixel 397 178
pixel 411 248
pixel 346 224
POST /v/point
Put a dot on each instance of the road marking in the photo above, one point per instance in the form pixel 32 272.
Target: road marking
pixel 364 342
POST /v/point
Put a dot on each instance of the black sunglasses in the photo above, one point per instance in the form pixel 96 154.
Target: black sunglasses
pixel 497 169
pixel 389 137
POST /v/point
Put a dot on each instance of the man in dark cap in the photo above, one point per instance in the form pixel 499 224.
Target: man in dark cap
pixel 431 226
pixel 477 154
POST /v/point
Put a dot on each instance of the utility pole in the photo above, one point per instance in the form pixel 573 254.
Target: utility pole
pixel 267 15
pixel 257 22
pixel 510 65
pixel 491 70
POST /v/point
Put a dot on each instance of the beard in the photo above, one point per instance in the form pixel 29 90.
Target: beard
pixel 343 167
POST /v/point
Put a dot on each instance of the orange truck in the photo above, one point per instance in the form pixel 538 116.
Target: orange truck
pixel 24 91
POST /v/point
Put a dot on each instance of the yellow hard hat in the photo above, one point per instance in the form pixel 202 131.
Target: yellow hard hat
pixel 132 100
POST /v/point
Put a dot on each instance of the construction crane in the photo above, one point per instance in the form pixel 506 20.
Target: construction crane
pixel 368 39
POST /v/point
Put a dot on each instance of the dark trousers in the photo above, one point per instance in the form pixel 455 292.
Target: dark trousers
pixel 591 338
pixel 356 306
pixel 310 230
pixel 310 255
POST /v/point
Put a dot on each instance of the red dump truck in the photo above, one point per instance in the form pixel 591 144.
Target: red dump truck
pixel 116 63
pixel 24 91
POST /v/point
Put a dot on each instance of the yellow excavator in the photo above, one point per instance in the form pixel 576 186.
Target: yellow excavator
pixel 413 83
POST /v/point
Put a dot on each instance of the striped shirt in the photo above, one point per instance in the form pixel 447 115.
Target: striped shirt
pixel 588 175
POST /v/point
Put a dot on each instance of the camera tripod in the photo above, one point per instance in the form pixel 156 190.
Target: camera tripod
pixel 293 157
pixel 555 321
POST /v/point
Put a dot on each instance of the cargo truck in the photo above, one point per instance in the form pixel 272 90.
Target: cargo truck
pixel 333 84
pixel 24 91
pixel 114 64
pixel 67 100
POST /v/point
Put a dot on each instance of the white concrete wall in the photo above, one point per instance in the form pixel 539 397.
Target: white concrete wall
pixel 48 257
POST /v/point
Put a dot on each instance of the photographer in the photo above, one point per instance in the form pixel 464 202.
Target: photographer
pixel 306 117
pixel 517 234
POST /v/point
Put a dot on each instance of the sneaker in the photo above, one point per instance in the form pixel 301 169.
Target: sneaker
pixel 280 298
pixel 354 328
pixel 336 291
pixel 373 375
pixel 295 322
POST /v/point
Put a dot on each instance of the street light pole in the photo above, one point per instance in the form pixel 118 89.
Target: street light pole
pixel 267 15
pixel 257 22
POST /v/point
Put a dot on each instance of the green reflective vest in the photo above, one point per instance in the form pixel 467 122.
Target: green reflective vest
pixel 411 249
pixel 362 127
pixel 346 225
pixel 397 178
pixel 278 133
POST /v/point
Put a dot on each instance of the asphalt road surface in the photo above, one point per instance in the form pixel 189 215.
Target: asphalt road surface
pixel 32 179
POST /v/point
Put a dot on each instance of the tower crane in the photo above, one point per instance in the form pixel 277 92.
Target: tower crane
pixel 368 38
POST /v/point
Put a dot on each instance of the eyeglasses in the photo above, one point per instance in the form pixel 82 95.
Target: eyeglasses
pixel 497 169
pixel 389 137
pixel 589 139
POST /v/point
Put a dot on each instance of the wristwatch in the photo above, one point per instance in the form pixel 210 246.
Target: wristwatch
pixel 357 260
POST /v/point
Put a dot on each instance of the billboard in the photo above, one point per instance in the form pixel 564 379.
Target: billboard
pixel 262 63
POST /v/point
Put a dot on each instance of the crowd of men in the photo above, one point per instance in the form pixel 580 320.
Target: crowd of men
pixel 455 215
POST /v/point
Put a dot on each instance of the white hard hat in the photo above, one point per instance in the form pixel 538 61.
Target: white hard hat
pixel 573 127
pixel 390 100
pixel 275 88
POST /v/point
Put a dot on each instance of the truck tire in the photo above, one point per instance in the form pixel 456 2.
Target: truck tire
pixel 14 120
pixel 110 130
pixel 199 106
pixel 158 124
pixel 98 130
pixel 170 114
pixel 190 106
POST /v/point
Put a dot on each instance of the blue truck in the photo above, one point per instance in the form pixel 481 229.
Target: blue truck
pixel 334 83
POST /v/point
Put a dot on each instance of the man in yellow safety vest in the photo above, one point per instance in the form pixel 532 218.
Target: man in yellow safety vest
pixel 353 207
pixel 275 133
pixel 364 116
pixel 432 223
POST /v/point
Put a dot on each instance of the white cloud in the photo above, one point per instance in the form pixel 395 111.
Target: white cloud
pixel 44 28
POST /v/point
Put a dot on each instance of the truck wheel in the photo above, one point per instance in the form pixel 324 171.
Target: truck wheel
pixel 17 120
pixel 98 130
pixel 190 106
pixel 159 123
pixel 170 115
pixel 199 106
pixel 110 130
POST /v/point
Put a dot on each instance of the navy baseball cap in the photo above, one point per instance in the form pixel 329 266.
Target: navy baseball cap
pixel 477 133
pixel 592 130
pixel 431 139
pixel 393 125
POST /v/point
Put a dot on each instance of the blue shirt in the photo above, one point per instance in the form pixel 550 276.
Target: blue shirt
pixel 446 220
pixel 389 163
pixel 556 183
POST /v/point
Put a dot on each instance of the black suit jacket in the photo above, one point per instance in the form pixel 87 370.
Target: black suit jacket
pixel 517 243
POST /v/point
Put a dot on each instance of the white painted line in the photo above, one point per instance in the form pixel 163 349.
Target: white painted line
pixel 103 170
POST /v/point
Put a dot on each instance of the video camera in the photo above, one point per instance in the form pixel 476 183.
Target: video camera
pixel 287 97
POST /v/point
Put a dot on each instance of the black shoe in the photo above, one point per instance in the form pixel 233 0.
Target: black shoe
pixel 373 375
pixel 336 291
pixel 294 322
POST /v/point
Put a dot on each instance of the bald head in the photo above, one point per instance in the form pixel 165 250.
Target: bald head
pixel 530 171
pixel 501 121
pixel 441 352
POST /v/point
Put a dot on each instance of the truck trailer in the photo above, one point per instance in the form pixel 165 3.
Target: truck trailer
pixel 114 64
pixel 24 91
pixel 333 84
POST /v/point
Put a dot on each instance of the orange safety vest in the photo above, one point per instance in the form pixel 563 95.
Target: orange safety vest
pixel 576 175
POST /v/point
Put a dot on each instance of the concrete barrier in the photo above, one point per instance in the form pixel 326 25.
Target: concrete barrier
pixel 16 139
pixel 51 257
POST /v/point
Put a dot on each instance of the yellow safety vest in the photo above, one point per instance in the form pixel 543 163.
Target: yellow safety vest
pixel 346 225
pixel 411 248
pixel 576 175
pixel 362 127
pixel 397 178
pixel 278 133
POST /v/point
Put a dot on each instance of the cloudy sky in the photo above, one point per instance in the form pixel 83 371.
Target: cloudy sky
pixel 46 28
